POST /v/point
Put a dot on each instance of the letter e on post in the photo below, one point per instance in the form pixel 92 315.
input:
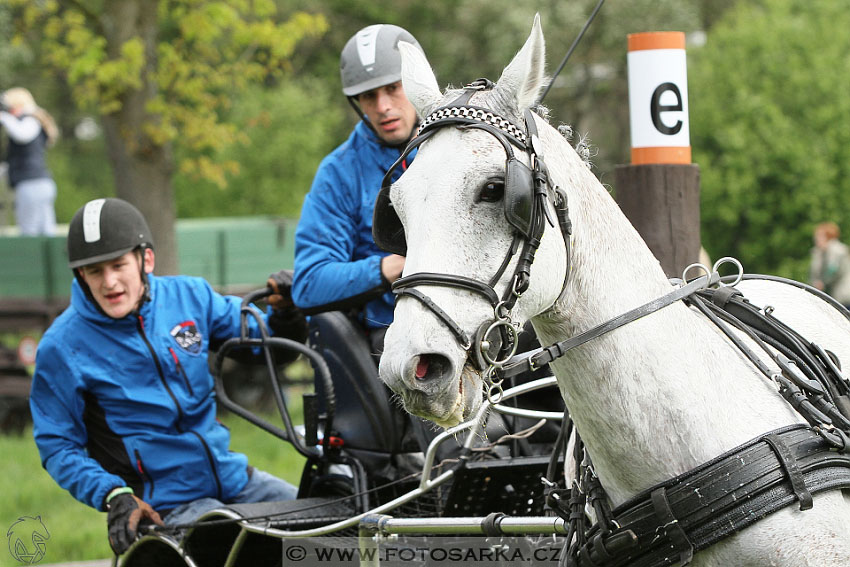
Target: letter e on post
pixel 658 98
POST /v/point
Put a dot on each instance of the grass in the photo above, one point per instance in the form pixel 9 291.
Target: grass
pixel 78 532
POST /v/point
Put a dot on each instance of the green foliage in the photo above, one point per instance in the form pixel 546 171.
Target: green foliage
pixel 288 129
pixel 769 127
pixel 76 531
pixel 81 174
pixel 206 54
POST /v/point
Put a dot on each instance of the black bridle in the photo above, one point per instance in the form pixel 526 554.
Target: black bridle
pixel 527 191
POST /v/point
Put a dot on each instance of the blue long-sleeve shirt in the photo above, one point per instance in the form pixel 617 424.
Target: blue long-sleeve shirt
pixel 130 401
pixel 337 264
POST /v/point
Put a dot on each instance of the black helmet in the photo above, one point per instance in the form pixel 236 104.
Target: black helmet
pixel 104 229
pixel 371 58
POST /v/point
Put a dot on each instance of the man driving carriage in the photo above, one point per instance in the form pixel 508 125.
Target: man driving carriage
pixel 338 266
pixel 122 398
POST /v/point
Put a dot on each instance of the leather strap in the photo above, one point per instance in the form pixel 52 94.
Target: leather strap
pixel 669 524
pixel 789 463
pixel 546 355
pixel 722 496
pixel 434 278
pixel 459 333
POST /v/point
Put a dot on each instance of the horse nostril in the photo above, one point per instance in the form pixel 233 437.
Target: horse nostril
pixel 431 367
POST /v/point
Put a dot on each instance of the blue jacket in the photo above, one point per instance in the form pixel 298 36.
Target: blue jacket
pixel 337 264
pixel 130 401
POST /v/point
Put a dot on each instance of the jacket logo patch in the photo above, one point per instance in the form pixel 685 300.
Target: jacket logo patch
pixel 187 336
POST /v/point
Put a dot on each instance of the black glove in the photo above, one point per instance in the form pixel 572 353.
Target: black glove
pixel 281 285
pixel 125 511
pixel 285 320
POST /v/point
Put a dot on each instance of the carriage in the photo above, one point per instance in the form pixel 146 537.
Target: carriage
pixel 716 412
pixel 359 466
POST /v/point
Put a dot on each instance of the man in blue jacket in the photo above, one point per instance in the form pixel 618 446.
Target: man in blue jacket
pixel 337 264
pixel 122 399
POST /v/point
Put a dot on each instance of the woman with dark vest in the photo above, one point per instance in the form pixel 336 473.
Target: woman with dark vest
pixel 30 131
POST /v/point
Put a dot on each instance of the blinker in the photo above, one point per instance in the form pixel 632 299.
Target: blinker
pixel 387 229
pixel 519 180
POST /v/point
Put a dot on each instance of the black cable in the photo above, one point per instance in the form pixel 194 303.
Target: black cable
pixel 570 51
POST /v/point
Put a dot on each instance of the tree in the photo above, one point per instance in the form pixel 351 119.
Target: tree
pixel 477 38
pixel 161 73
pixel 291 127
pixel 770 129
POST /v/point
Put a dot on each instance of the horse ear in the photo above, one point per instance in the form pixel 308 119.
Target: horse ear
pixel 420 84
pixel 523 78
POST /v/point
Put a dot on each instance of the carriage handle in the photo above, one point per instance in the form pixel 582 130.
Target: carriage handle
pixel 267 343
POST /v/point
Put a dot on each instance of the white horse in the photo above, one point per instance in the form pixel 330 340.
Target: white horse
pixel 652 399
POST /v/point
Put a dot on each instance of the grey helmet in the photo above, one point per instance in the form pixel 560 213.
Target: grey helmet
pixel 371 58
pixel 104 229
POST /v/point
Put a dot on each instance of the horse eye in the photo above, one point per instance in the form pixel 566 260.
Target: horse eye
pixel 492 191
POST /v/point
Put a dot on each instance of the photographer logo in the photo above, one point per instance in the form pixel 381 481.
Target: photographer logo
pixel 27 539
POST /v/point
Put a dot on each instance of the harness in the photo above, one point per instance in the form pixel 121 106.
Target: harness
pixel 528 194
pixel 669 522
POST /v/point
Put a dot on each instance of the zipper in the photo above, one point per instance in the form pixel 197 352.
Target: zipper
pixel 159 370
pixel 182 371
pixel 144 473
pixel 212 462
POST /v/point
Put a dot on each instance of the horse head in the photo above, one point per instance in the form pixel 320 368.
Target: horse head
pixel 464 210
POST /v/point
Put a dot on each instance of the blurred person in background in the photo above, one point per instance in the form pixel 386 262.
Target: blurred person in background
pixel 830 267
pixel 30 131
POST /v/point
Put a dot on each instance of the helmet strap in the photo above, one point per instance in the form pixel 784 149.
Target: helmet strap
pixel 87 290
pixel 352 100
pixel 146 295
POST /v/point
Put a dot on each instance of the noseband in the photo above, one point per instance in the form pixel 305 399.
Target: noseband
pixel 527 190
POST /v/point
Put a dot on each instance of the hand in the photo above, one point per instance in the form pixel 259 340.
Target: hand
pixel 391 267
pixel 125 513
pixel 281 285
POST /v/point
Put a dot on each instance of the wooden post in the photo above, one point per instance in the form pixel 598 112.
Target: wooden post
pixel 662 202
pixel 659 191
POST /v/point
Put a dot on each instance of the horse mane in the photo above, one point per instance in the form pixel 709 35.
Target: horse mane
pixel 498 101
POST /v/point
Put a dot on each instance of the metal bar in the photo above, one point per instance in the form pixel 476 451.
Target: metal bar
pixel 143 541
pixel 478 421
pixel 534 414
pixel 425 485
pixel 353 521
pixel 537 525
pixel 236 548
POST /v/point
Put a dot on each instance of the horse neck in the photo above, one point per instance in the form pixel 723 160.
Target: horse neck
pixel 607 252
pixel 649 394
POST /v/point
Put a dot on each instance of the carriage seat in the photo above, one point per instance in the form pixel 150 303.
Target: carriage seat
pixel 365 417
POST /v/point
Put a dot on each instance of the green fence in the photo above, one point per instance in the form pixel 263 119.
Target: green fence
pixel 233 254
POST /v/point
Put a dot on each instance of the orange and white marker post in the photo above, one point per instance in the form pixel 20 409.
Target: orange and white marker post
pixel 659 190
pixel 658 98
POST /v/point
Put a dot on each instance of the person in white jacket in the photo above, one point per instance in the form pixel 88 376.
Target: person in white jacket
pixel 30 130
